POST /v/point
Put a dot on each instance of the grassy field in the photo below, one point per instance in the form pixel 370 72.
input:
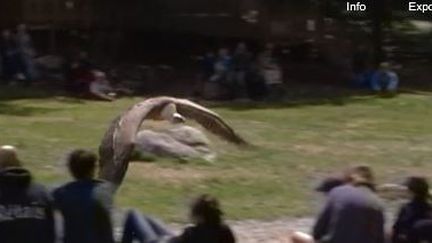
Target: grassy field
pixel 297 143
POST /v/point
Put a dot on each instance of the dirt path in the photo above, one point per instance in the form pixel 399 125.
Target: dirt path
pixel 273 231
pixel 276 231
pixel 253 231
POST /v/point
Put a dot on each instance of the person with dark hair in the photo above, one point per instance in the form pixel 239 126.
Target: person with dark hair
pixel 208 223
pixel 353 212
pixel 85 203
pixel 413 212
pixel 208 226
pixel 26 209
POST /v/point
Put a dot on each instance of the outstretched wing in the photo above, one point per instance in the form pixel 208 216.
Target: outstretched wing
pixel 118 142
pixel 209 120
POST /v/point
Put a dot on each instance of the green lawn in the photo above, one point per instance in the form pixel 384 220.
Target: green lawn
pixel 296 144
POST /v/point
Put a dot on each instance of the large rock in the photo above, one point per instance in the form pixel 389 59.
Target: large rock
pixel 181 142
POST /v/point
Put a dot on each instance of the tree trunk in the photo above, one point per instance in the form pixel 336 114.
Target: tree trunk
pixel 380 16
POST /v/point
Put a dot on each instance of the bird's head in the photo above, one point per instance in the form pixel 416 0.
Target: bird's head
pixel 169 113
pixel 177 118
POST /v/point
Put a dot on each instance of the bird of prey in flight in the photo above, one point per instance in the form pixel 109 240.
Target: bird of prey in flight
pixel 118 142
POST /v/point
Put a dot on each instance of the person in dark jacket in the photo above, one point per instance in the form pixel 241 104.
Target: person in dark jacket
pixel 353 212
pixel 418 209
pixel 85 203
pixel 26 211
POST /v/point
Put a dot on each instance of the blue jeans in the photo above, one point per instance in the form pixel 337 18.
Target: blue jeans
pixel 143 229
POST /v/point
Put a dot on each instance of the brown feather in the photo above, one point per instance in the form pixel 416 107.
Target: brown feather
pixel 209 120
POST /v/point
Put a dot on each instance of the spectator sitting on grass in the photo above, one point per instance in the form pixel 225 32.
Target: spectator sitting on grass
pixel 83 78
pixel 208 226
pixel 85 202
pixel 208 223
pixel 100 87
pixel 353 212
pixel 385 79
pixel 412 213
pixel 26 213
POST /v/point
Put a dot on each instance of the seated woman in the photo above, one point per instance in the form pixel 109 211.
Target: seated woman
pixel 84 79
pixel 207 219
pixel 412 213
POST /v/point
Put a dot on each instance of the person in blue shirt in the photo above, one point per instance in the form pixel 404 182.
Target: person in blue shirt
pixel 384 79
pixel 85 202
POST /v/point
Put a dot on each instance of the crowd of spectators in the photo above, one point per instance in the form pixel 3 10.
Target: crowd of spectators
pixel 21 65
pixel 353 211
pixel 225 74
pixel 378 79
pixel 241 74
